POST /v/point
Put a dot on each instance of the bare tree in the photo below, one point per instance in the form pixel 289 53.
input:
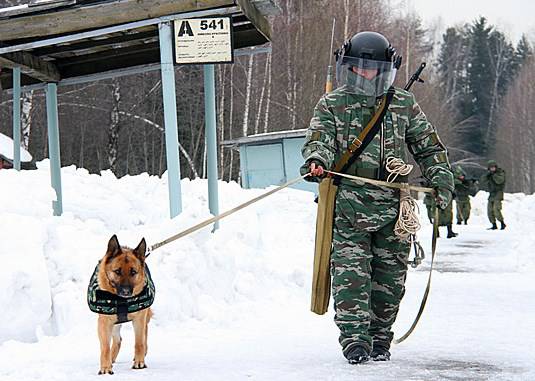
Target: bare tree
pixel 516 137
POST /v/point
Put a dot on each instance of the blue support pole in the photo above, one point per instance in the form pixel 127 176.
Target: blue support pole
pixel 170 117
pixel 16 118
pixel 211 139
pixel 53 145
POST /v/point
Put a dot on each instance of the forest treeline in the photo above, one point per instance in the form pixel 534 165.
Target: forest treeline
pixel 478 93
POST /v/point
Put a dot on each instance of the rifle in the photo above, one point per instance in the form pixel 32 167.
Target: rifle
pixel 329 82
pixel 416 77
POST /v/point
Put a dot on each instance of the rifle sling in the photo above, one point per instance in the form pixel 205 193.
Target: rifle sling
pixel 360 143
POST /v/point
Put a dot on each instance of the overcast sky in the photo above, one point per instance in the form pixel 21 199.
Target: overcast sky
pixel 513 17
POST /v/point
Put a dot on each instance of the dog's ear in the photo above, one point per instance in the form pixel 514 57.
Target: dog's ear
pixel 114 248
pixel 140 250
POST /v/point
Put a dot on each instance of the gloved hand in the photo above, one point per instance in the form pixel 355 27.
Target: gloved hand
pixel 443 197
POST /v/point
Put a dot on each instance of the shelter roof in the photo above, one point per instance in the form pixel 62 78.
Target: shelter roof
pixel 266 138
pixel 54 40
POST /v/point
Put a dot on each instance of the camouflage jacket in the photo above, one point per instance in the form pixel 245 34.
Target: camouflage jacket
pixel 464 189
pixel 340 116
pixel 494 183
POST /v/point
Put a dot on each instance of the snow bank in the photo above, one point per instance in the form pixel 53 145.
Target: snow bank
pixel 6 149
pixel 262 253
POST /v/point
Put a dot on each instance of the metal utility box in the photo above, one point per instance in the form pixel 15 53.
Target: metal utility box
pixel 271 159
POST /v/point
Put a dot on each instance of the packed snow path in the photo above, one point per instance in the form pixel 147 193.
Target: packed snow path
pixel 478 324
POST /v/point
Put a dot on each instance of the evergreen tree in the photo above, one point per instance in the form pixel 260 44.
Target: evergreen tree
pixel 479 82
pixel 476 66
pixel 522 53
pixel 452 70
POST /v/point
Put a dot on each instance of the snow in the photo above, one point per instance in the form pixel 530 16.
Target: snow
pixel 6 149
pixel 234 304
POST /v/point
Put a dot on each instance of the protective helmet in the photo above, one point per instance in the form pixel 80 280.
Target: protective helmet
pixel 366 64
pixel 492 163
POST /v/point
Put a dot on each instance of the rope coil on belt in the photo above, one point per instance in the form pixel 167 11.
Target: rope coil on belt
pixel 407 224
pixel 397 167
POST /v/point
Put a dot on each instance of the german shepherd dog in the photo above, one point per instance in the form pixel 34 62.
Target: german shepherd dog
pixel 122 272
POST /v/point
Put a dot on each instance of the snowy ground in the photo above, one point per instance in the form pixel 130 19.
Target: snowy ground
pixel 234 305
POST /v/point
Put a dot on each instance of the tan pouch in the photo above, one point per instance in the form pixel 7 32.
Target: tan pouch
pixel 321 278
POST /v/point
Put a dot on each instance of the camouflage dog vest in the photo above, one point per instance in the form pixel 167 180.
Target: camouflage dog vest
pixel 107 303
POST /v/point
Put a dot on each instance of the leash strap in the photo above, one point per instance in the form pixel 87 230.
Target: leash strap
pixel 122 312
pixel 382 183
pixel 428 287
pixel 223 215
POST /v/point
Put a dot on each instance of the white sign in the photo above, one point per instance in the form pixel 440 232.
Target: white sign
pixel 202 41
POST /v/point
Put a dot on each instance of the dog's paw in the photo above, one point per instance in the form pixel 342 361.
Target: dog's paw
pixel 105 370
pixel 139 364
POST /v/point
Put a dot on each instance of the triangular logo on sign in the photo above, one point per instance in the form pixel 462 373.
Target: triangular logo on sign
pixel 185 28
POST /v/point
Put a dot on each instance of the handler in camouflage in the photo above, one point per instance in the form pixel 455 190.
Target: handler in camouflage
pixel 494 183
pixel 368 261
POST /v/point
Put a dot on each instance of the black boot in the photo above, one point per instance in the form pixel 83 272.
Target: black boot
pixel 451 234
pixel 458 222
pixel 357 354
pixel 493 227
pixel 466 222
pixel 503 225
pixel 380 353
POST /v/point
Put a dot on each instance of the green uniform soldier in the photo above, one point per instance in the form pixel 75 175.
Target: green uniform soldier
pixel 464 188
pixel 368 261
pixel 445 216
pixel 494 183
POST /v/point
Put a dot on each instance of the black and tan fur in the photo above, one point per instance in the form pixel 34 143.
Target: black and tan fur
pixel 122 272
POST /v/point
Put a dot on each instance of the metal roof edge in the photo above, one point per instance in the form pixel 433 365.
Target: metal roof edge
pixel 266 137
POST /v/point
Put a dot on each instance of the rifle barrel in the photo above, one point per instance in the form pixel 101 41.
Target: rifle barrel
pixel 416 76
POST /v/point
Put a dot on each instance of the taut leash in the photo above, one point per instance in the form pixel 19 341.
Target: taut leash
pixel 222 215
pixel 383 183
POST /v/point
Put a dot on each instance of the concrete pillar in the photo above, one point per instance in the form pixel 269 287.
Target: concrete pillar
pixel 211 139
pixel 53 145
pixel 16 118
pixel 170 117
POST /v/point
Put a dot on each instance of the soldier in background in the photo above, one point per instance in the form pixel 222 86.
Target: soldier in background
pixel 445 216
pixel 464 188
pixel 368 261
pixel 494 182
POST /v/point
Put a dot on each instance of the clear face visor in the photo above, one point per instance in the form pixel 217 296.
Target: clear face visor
pixel 364 76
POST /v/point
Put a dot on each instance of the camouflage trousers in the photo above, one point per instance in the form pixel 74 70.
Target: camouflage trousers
pixel 369 267
pixel 445 217
pixel 463 210
pixel 494 211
